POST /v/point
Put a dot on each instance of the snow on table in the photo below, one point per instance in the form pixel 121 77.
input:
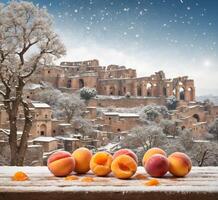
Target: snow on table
pixel 201 183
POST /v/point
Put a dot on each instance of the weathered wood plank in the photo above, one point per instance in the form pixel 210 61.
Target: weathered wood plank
pixel 201 183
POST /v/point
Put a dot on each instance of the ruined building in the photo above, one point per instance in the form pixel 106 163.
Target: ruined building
pixel 116 80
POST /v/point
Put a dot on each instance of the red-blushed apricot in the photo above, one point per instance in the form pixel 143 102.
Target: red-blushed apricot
pixel 100 163
pixel 179 164
pixel 82 158
pixel 157 165
pixel 20 176
pixel 127 152
pixel 61 163
pixel 152 152
pixel 152 182
pixel 124 167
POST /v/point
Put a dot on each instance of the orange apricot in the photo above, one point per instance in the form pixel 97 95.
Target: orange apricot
pixel 179 164
pixel 82 158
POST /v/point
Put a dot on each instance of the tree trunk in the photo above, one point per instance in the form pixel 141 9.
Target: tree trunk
pixel 24 139
pixel 13 137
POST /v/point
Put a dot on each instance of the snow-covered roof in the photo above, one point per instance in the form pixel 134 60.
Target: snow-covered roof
pixel 64 124
pixel 40 105
pixel 121 114
pixel 44 139
pixel 32 86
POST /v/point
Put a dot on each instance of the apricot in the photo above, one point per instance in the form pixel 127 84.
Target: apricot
pixel 179 164
pixel 152 152
pixel 20 176
pixel 124 167
pixel 82 158
pixel 100 163
pixel 61 163
pixel 157 165
pixel 152 182
pixel 127 152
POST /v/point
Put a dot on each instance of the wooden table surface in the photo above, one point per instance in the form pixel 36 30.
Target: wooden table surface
pixel 201 183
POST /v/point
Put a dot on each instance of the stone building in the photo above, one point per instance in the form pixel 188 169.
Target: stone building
pixel 116 80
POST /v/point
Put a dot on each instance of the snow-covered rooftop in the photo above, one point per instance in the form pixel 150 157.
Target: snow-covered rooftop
pixel 32 86
pixel 121 114
pixel 44 139
pixel 40 105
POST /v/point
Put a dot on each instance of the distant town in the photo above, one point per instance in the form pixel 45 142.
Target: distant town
pixel 83 103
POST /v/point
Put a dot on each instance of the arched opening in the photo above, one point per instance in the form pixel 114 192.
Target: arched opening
pixel 118 130
pixel 112 90
pixel 196 116
pixel 139 90
pixel 183 127
pixel 149 89
pixel 81 83
pixel 124 90
pixel 174 92
pixel 43 130
pixel 164 91
pixel 69 83
pixel 181 93
pixel 191 94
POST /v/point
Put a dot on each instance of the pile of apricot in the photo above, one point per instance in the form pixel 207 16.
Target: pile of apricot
pixel 123 164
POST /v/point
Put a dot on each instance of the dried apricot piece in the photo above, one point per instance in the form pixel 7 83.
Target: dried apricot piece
pixel 152 182
pixel 140 177
pixel 87 179
pixel 20 176
pixel 71 178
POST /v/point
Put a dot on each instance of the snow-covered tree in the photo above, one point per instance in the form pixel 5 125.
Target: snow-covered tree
pixel 27 42
pixel 83 126
pixel 153 112
pixel 169 127
pixel 70 105
pixel 213 128
pixel 87 93
pixel 171 103
pixel 186 138
pixel 144 136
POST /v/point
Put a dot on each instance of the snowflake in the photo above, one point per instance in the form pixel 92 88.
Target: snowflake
pixel 137 35
pixel 188 8
pixel 141 12
pixel 76 11
pixel 125 33
pixel 126 9
pixel 88 28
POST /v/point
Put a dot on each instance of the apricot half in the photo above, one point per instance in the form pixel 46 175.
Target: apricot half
pixel 124 167
pixel 100 163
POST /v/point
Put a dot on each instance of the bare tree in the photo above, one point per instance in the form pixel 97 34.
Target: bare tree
pixel 145 136
pixel 70 105
pixel 27 41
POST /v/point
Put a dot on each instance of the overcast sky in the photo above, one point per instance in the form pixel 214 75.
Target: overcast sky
pixel 179 37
